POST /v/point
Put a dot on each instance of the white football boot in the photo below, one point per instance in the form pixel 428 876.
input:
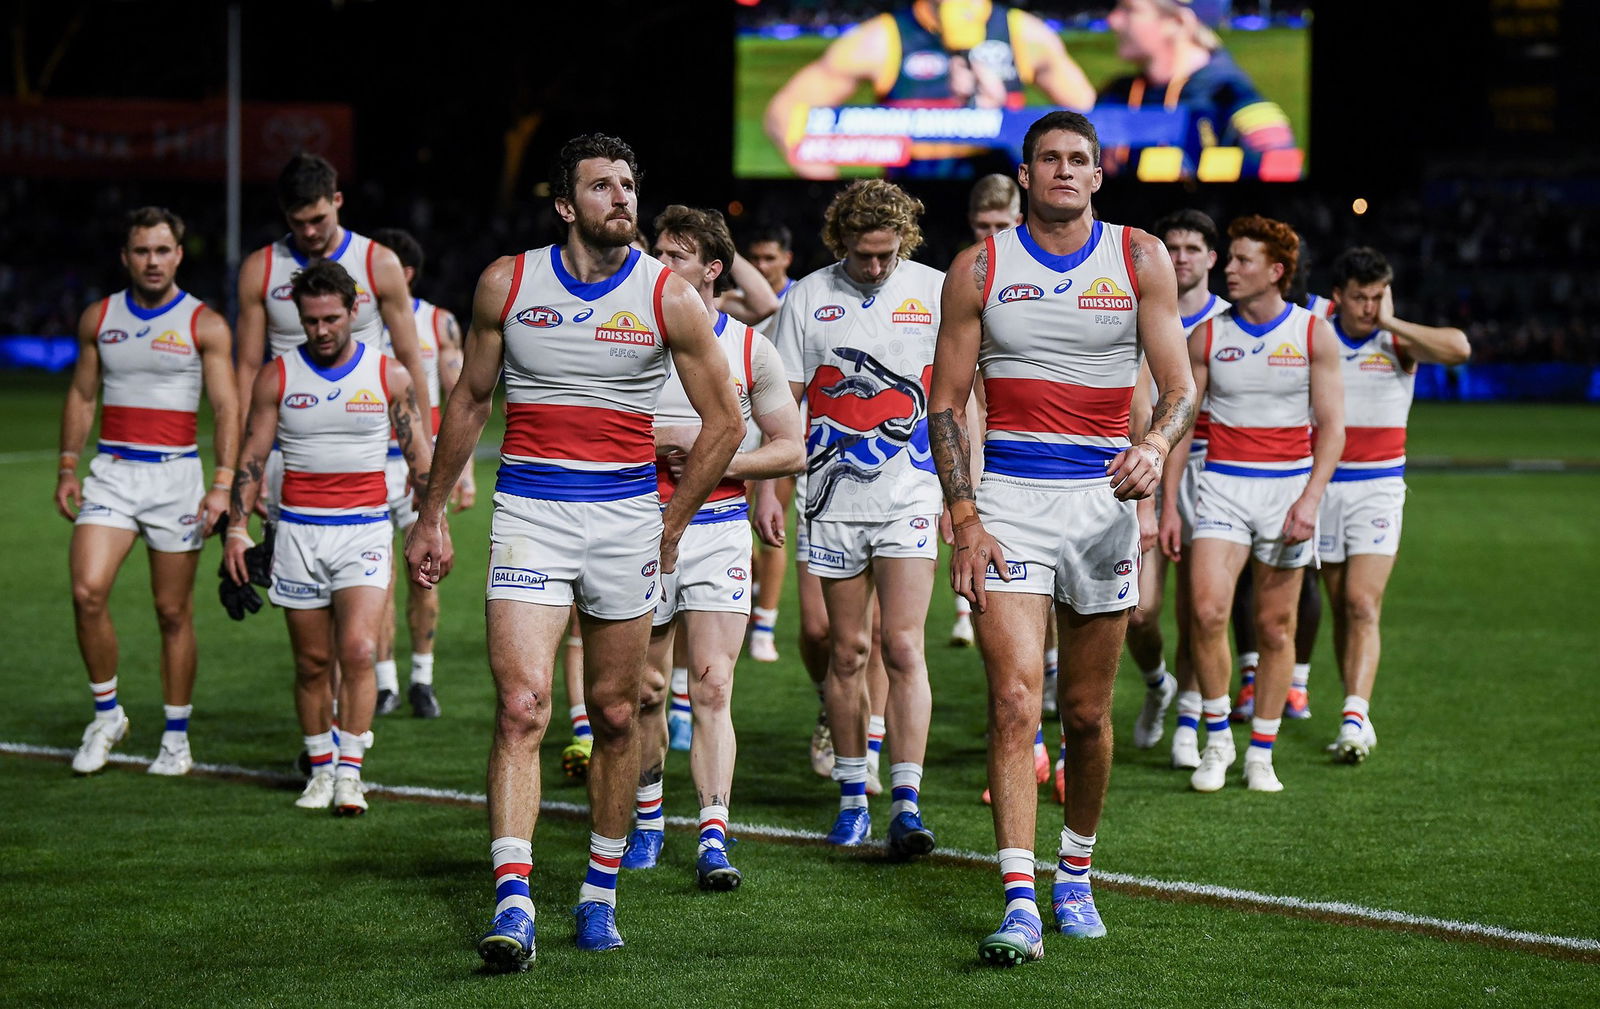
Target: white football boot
pixel 1215 760
pixel 1151 724
pixel 98 739
pixel 318 793
pixel 174 760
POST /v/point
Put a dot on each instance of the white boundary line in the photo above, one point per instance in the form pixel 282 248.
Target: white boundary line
pixel 1264 901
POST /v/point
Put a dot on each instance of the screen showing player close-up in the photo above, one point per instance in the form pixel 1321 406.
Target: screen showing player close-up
pixel 1214 90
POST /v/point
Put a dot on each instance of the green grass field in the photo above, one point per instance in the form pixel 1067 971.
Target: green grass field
pixel 1479 805
pixel 1278 59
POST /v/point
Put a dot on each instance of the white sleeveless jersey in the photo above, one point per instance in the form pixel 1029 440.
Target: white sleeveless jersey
pixel 737 342
pixel 1319 306
pixel 584 366
pixel 150 377
pixel 425 318
pixel 333 426
pixel 1378 384
pixel 1259 393
pixel 284 332
pixel 866 359
pixel 1202 419
pixel 1060 354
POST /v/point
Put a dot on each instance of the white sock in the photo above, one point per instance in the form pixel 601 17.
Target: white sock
pixel 1263 733
pixel 905 781
pixel 647 807
pixel 1016 872
pixel 1153 677
pixel 422 668
pixel 388 675
pixel 609 848
pixel 765 619
pixel 963 608
pixel 108 689
pixel 1188 711
pixel 1302 675
pixel 1072 861
pixel 176 730
pixel 680 679
pixel 1249 660
pixel 850 771
pixel 513 861
pixel 352 752
pixel 1355 711
pixel 1214 711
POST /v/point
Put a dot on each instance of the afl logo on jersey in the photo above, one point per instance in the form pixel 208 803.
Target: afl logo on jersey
pixel 828 313
pixel 925 65
pixel 300 401
pixel 114 336
pixel 1230 354
pixel 1020 292
pixel 284 292
pixel 539 317
pixel 911 312
pixel 625 327
pixel 1105 296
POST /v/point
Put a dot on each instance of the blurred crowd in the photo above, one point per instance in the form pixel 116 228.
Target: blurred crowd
pixel 1513 264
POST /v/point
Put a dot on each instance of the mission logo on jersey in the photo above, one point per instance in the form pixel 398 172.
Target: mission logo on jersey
pixel 1377 362
pixel 171 343
pixel 363 402
pixel 1286 356
pixel 625 327
pixel 912 312
pixel 1105 296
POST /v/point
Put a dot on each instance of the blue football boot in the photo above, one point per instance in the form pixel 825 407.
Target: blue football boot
pixel 713 872
pixel 508 945
pixel 1075 911
pixel 853 826
pixel 1019 939
pixel 597 927
pixel 644 849
pixel 908 837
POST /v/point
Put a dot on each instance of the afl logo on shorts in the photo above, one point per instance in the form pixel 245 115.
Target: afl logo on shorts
pixel 113 336
pixel 1380 523
pixel 1020 292
pixel 283 292
pixel 1123 568
pixel 648 570
pixel 374 556
pixel 189 520
pixel 919 523
pixel 738 574
pixel 539 317
pixel 1230 354
pixel 828 313
pixel 300 401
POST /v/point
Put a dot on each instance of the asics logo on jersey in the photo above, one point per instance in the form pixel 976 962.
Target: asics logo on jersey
pixel 625 327
pixel 583 316
pixel 114 336
pixel 518 578
pixel 1352 357
pixel 829 313
pixel 1286 356
pixel 911 312
pixel 300 400
pixel 142 333
pixel 869 301
pixel 1229 354
pixel 539 317
pixel 334 394
pixel 1020 292
pixel 1105 296
pixel 1062 287
pixel 283 292
pixel 1258 348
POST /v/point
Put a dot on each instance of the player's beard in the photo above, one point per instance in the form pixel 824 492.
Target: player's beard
pixel 608 233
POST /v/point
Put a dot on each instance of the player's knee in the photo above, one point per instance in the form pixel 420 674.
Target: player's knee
pixel 1085 716
pixel 1362 606
pixel 90 599
pixel 522 713
pixel 814 630
pixel 1014 708
pixel 902 653
pixel 312 664
pixel 358 648
pixel 612 719
pixel 848 658
pixel 1143 622
pixel 174 616
pixel 712 689
pixel 652 689
pixel 1275 631
pixel 1209 616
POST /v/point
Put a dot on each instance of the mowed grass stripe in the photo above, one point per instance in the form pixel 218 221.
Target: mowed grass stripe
pixel 1331 912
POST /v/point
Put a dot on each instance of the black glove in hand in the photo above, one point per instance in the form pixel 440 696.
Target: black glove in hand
pixel 238 600
pixel 258 559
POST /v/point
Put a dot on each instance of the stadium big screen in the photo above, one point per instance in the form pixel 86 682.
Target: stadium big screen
pixel 1204 89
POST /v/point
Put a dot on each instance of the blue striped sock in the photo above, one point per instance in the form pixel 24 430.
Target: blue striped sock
pixel 851 774
pixel 713 827
pixel 905 780
pixel 513 863
pixel 647 807
pixel 580 722
pixel 875 731
pixel 1016 875
pixel 1216 711
pixel 178 717
pixel 600 882
pixel 105 696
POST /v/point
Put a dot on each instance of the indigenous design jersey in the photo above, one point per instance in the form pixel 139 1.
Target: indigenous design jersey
pixel 1259 393
pixel 150 377
pixel 284 332
pixel 1202 420
pixel 1060 354
pixel 726 502
pixel 1378 383
pixel 865 356
pixel 584 366
pixel 333 425
pixel 425 316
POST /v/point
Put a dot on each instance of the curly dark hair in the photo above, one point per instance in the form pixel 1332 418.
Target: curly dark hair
pixel 323 276
pixel 1363 265
pixel 705 230
pixel 564 173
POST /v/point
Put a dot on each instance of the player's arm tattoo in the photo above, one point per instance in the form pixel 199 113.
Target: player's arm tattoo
pixel 249 475
pixel 952 456
pixel 1173 415
pixel 980 267
pixel 1136 253
pixel 401 414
